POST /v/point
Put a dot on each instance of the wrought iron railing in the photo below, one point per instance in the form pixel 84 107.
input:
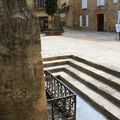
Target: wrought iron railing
pixel 61 101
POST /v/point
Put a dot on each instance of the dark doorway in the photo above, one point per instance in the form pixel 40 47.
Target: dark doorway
pixel 100 21
pixel 43 23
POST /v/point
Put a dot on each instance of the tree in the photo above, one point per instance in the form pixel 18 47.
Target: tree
pixel 51 8
pixel 22 85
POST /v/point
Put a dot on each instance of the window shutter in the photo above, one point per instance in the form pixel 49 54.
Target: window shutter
pixel 119 16
pixel 98 2
pixel 80 21
pixel 87 21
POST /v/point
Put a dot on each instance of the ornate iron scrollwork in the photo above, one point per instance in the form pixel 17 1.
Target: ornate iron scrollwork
pixel 62 102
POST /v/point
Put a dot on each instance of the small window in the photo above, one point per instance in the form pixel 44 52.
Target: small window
pixel 118 16
pixel 100 2
pixel 84 21
pixel 84 4
pixel 115 1
pixel 39 3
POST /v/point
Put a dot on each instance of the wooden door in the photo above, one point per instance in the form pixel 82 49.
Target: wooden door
pixel 100 21
pixel 43 23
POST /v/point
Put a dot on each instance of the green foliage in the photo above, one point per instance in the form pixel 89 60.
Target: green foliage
pixel 51 7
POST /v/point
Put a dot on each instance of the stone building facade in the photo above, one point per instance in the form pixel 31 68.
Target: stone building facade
pixel 38 7
pixel 95 15
pixel 99 15
pixel 69 14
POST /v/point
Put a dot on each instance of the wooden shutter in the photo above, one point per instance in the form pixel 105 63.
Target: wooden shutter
pixel 80 21
pixel 87 21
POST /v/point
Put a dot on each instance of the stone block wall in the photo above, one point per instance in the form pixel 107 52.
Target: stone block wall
pixel 110 11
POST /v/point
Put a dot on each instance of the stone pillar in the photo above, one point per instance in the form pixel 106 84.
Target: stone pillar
pixel 22 86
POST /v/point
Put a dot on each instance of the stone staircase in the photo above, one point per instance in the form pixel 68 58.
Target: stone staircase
pixel 99 85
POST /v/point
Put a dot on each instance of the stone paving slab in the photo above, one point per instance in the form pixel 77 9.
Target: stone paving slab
pixel 98 47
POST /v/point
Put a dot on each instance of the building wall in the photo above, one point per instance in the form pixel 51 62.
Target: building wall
pixel 110 11
pixel 72 14
pixel 38 12
pixel 1 9
pixel 69 16
pixel 76 12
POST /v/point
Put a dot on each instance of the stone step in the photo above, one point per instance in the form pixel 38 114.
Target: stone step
pixel 57 58
pixel 54 69
pixel 105 106
pixel 73 57
pixel 97 66
pixel 100 67
pixel 98 80
pixel 100 75
pixel 101 88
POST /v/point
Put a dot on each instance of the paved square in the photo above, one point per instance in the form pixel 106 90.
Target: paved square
pixel 98 47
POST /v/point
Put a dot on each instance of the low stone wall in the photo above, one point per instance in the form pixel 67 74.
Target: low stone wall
pixel 54 32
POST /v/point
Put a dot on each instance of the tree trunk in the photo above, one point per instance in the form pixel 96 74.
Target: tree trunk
pixel 22 86
pixel 52 21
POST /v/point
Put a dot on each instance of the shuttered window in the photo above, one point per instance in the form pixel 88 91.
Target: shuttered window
pixel 84 4
pixel 119 16
pixel 100 2
pixel 80 21
pixel 84 21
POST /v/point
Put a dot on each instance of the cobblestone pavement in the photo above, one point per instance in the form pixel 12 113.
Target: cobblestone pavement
pixel 98 47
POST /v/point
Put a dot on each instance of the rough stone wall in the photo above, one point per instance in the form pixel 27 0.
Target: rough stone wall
pixel 76 9
pixel 22 88
pixel 109 10
pixel 69 18
pixel 1 9
pixel 111 15
pixel 61 2
pixel 38 12
pixel 69 15
pixel 72 15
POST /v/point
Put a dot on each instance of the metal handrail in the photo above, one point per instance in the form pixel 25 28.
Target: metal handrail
pixel 61 97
